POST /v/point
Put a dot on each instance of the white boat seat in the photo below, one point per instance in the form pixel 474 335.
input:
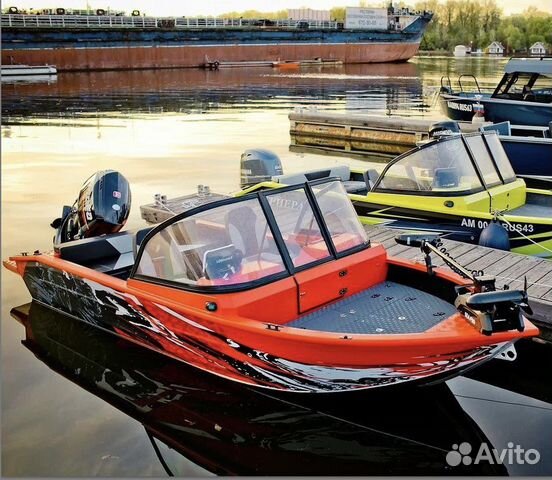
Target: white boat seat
pixel 240 222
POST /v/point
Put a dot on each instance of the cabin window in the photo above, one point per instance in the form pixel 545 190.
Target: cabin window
pixel 298 225
pixel 541 91
pixel 340 216
pixel 227 245
pixel 442 168
pixel 501 159
pixel 483 160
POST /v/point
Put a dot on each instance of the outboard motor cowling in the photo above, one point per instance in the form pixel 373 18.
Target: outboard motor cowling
pixel 102 207
pixel 440 129
pixel 258 165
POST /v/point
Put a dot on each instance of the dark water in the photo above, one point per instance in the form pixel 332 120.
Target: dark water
pixel 78 402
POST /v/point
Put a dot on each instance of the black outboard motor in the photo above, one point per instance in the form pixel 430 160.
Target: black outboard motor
pixel 258 165
pixel 103 206
pixel 440 129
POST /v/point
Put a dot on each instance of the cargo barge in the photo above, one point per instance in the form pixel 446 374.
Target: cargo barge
pixel 117 42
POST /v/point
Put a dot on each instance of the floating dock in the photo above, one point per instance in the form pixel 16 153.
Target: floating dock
pixel 508 268
pixel 361 133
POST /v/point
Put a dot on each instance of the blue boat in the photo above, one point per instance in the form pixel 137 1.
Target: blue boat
pixel 523 96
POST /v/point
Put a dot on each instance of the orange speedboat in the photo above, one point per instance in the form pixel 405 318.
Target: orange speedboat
pixel 278 289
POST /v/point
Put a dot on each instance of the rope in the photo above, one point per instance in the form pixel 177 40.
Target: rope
pixel 498 214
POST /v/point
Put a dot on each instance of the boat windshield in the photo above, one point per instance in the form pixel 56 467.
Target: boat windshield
pixel 250 239
pixel 440 168
pixel 525 86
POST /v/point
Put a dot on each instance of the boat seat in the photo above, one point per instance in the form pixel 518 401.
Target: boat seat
pixel 445 178
pixel 109 253
pixel 343 172
pixel 105 253
pixel 371 177
pixel 221 262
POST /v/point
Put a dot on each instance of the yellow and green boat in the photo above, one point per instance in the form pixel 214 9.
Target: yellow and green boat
pixel 456 186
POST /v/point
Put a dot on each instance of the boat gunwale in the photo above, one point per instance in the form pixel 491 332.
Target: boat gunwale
pixel 483 99
pixel 307 337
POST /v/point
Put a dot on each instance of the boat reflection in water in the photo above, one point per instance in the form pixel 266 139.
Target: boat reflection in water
pixel 229 429
pixel 383 88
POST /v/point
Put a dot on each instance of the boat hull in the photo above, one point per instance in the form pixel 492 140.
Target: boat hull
pixel 203 345
pixel 460 108
pixel 179 56
pixel 526 235
pixel 529 156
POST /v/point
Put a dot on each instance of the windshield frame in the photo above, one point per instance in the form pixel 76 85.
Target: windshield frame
pixel 262 197
pixel 475 165
pixel 429 193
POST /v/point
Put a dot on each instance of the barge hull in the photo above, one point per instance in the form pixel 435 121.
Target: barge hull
pixel 182 56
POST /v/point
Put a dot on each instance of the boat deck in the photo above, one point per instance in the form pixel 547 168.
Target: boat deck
pixel 386 308
pixel 531 210
pixel 509 268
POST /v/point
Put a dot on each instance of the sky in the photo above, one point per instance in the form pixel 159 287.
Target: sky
pixel 216 7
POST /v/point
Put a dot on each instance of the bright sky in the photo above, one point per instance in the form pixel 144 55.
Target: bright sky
pixel 215 7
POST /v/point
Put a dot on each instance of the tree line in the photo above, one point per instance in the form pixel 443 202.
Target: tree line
pixel 480 22
pixel 460 22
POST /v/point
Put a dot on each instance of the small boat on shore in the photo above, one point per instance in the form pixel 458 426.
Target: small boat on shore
pixel 278 289
pixel 523 96
pixel 27 70
pixel 461 186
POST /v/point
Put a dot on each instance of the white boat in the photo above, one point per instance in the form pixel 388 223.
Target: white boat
pixel 19 70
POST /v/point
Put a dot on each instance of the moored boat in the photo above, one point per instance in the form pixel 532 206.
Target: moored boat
pixel 27 70
pixel 111 42
pixel 279 289
pixel 523 96
pixel 460 185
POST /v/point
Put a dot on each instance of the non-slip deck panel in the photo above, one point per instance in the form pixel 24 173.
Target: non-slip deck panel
pixel 531 210
pixel 385 308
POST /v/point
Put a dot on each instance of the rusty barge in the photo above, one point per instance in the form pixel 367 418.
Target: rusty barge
pixel 116 42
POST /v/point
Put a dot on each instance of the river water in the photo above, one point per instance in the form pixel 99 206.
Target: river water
pixel 78 403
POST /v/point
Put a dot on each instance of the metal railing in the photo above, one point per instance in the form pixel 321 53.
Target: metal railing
pixel 111 21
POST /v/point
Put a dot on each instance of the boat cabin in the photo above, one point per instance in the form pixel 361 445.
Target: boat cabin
pixel 526 80
pixel 247 241
pixel 455 166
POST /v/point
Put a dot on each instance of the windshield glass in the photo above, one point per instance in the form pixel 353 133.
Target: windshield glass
pixel 226 245
pixel 340 216
pixel 443 167
pixel 500 157
pixel 300 230
pixel 483 160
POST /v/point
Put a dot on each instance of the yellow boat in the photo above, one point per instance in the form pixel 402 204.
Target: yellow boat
pixel 461 186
